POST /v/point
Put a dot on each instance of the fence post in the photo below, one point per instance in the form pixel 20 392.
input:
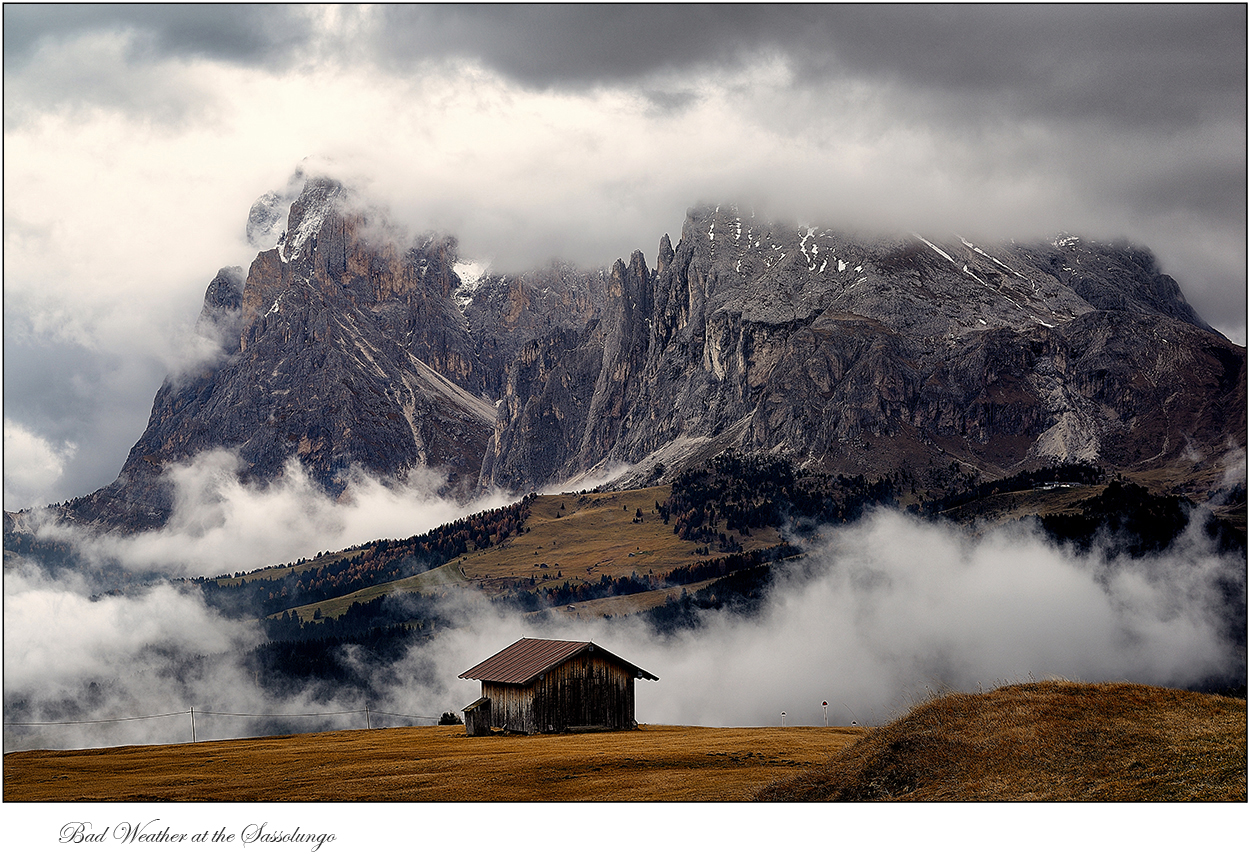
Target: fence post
pixel 193 724
pixel 368 725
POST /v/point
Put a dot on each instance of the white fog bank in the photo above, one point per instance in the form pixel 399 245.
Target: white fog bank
pixel 881 613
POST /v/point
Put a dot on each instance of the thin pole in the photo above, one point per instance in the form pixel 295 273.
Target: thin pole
pixel 368 726
pixel 193 724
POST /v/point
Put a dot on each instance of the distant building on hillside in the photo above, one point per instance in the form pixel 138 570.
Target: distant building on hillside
pixel 550 686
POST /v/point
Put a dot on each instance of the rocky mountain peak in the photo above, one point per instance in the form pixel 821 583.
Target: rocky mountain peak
pixel 665 255
pixel 350 348
pixel 221 317
pixel 264 220
pixel 308 214
pixel 267 221
pixel 874 354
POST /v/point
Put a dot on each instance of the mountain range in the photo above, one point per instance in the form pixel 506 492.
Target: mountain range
pixel 349 346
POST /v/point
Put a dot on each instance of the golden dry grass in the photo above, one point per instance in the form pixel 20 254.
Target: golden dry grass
pixel 1040 741
pixel 430 581
pixel 1058 741
pixel 654 763
pixel 594 535
pixel 277 573
pixel 616 606
pixel 1010 506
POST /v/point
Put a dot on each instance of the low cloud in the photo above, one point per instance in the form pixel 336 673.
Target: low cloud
pixel 78 651
pixel 878 615
pixel 892 607
pixel 32 463
pixel 220 524
pixel 1234 465
pixel 70 659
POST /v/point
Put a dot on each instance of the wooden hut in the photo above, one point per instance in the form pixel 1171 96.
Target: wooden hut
pixel 550 686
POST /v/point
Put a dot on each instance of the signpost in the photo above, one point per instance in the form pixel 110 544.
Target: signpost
pixel 824 704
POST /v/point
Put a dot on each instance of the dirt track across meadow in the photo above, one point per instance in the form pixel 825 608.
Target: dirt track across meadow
pixel 654 763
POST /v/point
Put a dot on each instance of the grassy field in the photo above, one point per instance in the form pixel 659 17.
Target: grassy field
pixel 1194 480
pixel 617 606
pixel 1055 741
pixel 1010 506
pixel 569 538
pixel 277 573
pixel 654 763
pixel 444 576
pixel 581 537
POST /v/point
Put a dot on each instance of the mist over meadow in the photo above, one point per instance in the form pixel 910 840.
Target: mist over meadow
pixel 876 615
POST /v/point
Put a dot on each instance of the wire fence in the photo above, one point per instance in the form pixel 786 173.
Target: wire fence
pixel 370 719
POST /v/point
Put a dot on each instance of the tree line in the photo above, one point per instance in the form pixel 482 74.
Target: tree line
pixel 365 565
pixel 740 492
pixel 1025 480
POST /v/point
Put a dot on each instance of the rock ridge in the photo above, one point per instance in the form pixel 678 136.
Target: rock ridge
pixel 346 347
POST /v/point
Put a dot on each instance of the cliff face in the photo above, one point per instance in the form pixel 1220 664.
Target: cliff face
pixel 868 356
pixel 852 354
pixel 338 350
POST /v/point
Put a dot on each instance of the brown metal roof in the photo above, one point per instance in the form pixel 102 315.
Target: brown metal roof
pixel 522 662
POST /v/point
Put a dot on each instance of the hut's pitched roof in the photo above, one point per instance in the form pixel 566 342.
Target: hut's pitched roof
pixel 522 662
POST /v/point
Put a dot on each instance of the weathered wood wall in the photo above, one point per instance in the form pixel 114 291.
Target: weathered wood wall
pixel 477 717
pixel 583 691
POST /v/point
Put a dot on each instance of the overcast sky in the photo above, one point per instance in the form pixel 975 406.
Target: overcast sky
pixel 137 137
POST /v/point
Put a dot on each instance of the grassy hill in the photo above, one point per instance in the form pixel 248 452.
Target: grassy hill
pixel 1011 505
pixel 566 539
pixel 545 547
pixel 432 764
pixel 582 537
pixel 670 552
pixel 278 572
pixel 1057 741
pixel 448 575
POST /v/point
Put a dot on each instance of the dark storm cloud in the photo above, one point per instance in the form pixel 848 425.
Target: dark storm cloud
pixel 574 45
pixel 242 33
pixel 111 395
pixel 1169 63
pixel 1128 69
pixel 85 57
pixel 1202 187
pixel 1128 62
pixel 1138 63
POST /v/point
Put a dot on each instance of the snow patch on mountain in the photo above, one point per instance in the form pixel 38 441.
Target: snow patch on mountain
pixel 318 202
pixel 266 219
pixel 471 274
pixel 991 257
pixel 934 247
